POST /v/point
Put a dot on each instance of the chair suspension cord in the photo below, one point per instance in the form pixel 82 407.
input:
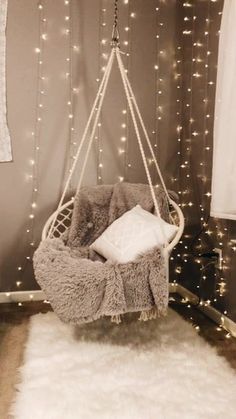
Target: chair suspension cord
pixel 146 136
pixel 122 71
pixel 84 137
pixel 147 139
pixel 95 121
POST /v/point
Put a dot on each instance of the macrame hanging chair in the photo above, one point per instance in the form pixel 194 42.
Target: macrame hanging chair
pixel 80 287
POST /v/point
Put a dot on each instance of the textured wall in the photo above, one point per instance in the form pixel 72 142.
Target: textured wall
pixel 37 175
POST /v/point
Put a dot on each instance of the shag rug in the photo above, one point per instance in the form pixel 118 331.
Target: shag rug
pixel 161 369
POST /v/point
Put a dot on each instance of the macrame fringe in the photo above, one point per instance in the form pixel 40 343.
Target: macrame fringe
pixel 116 319
pixel 146 315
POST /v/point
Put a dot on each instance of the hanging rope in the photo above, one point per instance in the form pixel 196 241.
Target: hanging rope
pixel 146 135
pixel 84 137
pixel 102 95
pixel 156 206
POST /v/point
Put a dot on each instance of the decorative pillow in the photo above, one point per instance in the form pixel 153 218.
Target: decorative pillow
pixel 134 233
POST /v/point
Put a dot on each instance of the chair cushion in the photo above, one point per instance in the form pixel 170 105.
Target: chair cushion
pixel 134 233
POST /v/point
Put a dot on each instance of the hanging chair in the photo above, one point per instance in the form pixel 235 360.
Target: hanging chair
pixel 81 286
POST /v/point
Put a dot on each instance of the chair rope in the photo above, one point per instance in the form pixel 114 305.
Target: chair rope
pixel 102 95
pixel 97 106
pixel 84 137
pixel 122 72
pixel 144 130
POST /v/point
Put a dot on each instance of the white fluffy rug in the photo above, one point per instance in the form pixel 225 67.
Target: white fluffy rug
pixel 160 369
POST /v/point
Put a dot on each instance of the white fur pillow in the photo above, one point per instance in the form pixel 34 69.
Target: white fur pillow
pixel 134 233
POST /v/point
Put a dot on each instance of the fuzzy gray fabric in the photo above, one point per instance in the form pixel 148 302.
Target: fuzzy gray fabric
pixel 80 285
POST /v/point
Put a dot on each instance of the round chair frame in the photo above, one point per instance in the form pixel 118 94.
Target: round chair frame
pixel 64 213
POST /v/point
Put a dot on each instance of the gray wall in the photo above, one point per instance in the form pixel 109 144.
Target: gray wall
pixel 55 139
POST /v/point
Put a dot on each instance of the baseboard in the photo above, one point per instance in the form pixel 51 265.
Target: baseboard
pixel 188 296
pixel 218 317
pixel 211 312
pixel 21 296
pixel 38 295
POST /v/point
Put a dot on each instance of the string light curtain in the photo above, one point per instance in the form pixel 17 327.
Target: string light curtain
pixel 5 142
pixel 223 203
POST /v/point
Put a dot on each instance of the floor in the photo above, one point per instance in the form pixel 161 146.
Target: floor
pixel 13 335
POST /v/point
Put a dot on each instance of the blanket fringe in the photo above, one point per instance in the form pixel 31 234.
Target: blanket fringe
pixel 116 318
pixel 146 315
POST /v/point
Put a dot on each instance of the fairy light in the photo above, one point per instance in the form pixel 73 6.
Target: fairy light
pixel 202 81
pixel 102 56
pixel 158 78
pixel 179 131
pixel 73 49
pixel 124 138
pixel 33 164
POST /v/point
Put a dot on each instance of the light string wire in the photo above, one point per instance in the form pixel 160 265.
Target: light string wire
pixel 206 100
pixel 102 55
pixel 123 149
pixel 185 133
pixel 98 133
pixel 157 83
pixel 36 136
pixel 178 70
pixel 221 227
pixel 125 139
pixel 69 75
pixel 187 162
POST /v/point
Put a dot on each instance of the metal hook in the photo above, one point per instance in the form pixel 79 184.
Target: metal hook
pixel 115 32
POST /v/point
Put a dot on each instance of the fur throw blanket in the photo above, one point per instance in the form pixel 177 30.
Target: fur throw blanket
pixel 80 285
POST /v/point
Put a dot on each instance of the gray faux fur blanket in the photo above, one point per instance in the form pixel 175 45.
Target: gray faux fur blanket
pixel 80 285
